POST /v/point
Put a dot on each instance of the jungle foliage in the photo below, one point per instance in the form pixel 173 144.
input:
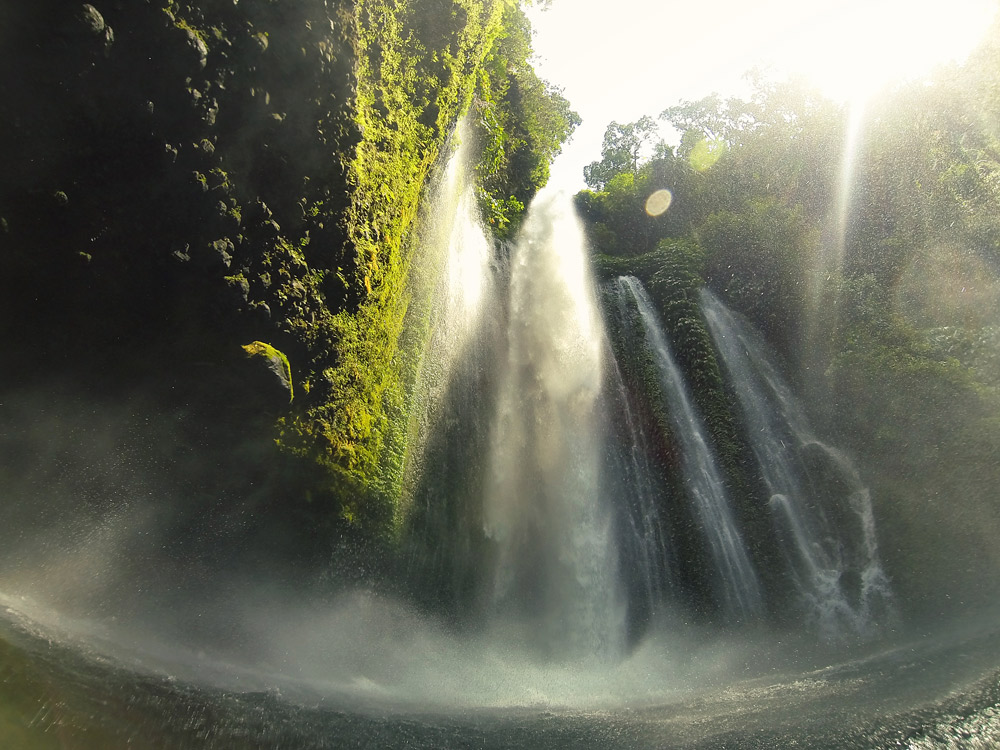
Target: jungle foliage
pixel 875 273
pixel 522 123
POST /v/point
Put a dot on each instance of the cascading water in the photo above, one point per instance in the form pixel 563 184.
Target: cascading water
pixel 737 587
pixel 637 475
pixel 820 506
pixel 456 239
pixel 556 573
pixel 509 522
pixel 542 497
pixel 647 555
pixel 538 506
pixel 566 547
pixel 454 396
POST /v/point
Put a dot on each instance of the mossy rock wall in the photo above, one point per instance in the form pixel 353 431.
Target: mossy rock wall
pixel 182 179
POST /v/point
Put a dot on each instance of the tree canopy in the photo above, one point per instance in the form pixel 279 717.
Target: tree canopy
pixel 522 121
pixel 621 151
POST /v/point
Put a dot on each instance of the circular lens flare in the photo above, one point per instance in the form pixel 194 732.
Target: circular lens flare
pixel 658 202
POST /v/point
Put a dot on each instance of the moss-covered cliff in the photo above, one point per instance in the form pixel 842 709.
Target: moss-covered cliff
pixel 184 179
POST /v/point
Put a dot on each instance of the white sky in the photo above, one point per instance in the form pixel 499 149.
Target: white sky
pixel 621 59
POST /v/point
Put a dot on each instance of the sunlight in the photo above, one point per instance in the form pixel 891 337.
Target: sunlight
pixel 851 49
pixel 644 56
pixel 658 202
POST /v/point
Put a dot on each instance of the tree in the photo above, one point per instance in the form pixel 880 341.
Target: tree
pixel 621 151
pixel 523 122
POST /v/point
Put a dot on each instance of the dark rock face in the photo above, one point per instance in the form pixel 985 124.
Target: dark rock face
pixel 174 186
pixel 149 170
pixel 269 367
pixel 86 26
pixel 183 177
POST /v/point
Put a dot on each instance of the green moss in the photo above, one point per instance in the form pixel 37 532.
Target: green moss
pixel 218 180
pixel 672 274
pixel 275 359
pixel 286 149
pixel 418 67
pixel 415 76
pixel 520 123
pixel 185 25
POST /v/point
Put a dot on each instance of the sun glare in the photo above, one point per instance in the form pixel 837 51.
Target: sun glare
pixel 850 50
pixel 658 202
pixel 646 55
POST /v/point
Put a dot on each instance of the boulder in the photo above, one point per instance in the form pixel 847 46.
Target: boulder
pixel 270 374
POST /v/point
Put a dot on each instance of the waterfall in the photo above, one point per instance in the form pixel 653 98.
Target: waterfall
pixel 737 587
pixel 510 524
pixel 553 502
pixel 821 509
pixel 449 431
pixel 639 488
pixel 556 576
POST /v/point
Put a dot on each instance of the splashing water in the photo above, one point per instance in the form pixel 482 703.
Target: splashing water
pixel 820 505
pixel 738 588
pixel 649 550
pixel 449 433
pixel 648 555
pixel 556 576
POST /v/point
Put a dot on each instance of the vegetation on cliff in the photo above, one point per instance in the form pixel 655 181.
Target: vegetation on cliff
pixel 522 123
pixel 187 178
pixel 869 258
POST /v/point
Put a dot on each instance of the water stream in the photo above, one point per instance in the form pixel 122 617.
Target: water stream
pixel 648 555
pixel 545 509
pixel 736 581
pixel 820 506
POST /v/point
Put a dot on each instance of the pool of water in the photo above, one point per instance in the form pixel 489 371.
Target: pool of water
pixel 66 685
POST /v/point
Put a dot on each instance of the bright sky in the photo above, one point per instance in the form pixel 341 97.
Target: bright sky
pixel 621 59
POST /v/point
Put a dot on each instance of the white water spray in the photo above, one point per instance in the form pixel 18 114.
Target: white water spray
pixel 457 239
pixel 462 305
pixel 556 576
pixel 831 546
pixel 738 587
pixel 647 542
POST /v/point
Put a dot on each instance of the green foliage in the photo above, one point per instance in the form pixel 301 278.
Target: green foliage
pixel 621 151
pixel 416 71
pixel 750 180
pixel 929 179
pixel 880 286
pixel 672 274
pixel 258 165
pixel 782 144
pixel 917 298
pixel 760 260
pixel 419 67
pixel 522 122
pixel 912 403
pixel 617 218
pixel 674 287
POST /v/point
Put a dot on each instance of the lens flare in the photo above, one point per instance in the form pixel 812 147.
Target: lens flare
pixel 706 152
pixel 659 202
